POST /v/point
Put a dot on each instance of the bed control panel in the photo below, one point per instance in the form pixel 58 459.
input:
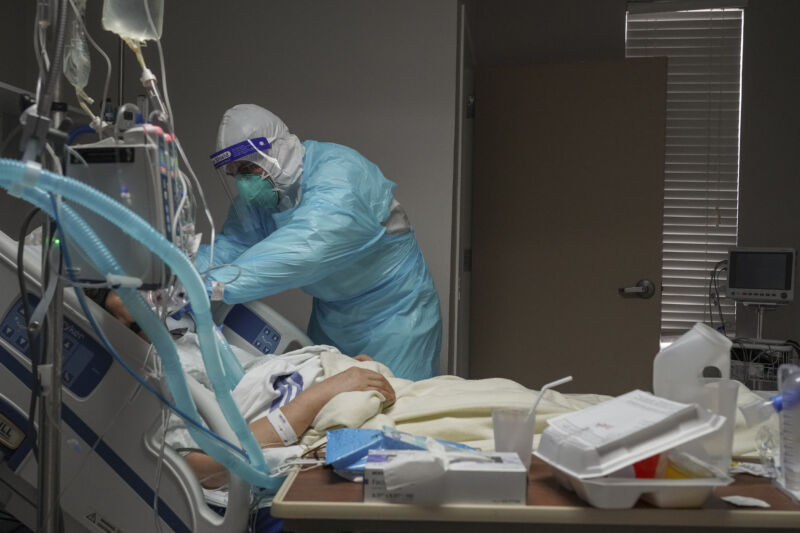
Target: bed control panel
pixel 253 329
pixel 84 361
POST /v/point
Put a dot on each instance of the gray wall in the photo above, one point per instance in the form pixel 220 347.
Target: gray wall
pixel 524 32
pixel 769 187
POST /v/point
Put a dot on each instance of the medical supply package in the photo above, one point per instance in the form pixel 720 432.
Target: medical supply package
pixel 593 451
pixel 426 477
pixel 347 448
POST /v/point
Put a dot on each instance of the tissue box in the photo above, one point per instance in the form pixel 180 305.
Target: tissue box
pixel 502 480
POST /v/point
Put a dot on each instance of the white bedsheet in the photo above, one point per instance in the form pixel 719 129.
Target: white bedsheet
pixel 445 407
pixel 457 409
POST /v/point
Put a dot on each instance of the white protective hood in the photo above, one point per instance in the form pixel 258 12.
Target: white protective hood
pixel 283 160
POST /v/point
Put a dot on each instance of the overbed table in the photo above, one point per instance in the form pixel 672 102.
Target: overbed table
pixel 319 500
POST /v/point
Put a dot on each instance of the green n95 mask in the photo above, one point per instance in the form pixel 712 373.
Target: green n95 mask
pixel 257 190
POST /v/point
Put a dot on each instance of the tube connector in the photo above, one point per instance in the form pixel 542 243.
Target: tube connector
pixel 32 172
pixel 36 127
pixel 147 78
pixel 45 373
pixel 217 290
pixel 150 83
pixel 128 282
pixel 98 124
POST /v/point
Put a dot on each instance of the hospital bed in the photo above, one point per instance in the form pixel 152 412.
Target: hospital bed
pixel 111 428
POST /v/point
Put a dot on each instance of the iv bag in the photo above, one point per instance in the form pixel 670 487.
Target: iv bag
pixel 77 64
pixel 137 20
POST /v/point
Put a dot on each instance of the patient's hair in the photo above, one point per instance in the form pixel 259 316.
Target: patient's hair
pixel 98 295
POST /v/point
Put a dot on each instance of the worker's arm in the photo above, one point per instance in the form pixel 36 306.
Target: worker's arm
pixel 300 412
pixel 334 227
pixel 235 238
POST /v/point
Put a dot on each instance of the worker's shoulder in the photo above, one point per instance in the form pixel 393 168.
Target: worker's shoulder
pixel 327 151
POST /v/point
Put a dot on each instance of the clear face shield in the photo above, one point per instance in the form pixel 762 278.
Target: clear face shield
pixel 246 171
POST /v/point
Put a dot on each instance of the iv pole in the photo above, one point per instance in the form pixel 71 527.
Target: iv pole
pixel 50 410
pixel 41 124
pixel 760 309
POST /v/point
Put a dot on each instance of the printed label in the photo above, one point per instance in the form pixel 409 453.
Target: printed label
pixel 10 435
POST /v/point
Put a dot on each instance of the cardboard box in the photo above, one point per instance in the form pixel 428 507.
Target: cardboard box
pixel 501 480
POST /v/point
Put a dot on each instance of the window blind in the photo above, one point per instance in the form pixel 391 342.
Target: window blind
pixel 703 50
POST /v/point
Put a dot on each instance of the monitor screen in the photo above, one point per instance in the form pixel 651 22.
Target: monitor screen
pixel 761 274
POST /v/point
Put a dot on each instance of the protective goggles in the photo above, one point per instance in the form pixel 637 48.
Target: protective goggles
pixel 239 176
pixel 239 150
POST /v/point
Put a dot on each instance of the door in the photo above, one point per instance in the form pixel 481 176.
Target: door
pixel 567 209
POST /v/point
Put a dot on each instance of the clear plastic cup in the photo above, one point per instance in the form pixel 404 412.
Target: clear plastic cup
pixel 719 397
pixel 513 434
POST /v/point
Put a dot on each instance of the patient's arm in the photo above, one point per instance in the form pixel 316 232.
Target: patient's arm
pixel 300 412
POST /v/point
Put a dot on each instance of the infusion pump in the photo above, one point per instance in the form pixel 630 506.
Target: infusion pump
pixel 141 172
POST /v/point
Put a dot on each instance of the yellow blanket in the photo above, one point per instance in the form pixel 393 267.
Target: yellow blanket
pixel 460 410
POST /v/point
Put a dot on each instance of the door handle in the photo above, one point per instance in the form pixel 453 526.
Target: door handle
pixel 644 288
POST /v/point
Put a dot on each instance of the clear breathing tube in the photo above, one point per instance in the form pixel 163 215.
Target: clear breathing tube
pixel 24 179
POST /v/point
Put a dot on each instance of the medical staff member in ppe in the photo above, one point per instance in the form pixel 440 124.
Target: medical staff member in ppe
pixel 321 217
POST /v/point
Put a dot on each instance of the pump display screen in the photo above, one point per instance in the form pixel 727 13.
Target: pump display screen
pixel 761 275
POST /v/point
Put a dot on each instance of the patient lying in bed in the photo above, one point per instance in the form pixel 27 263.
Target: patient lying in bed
pixel 293 383
pixel 317 388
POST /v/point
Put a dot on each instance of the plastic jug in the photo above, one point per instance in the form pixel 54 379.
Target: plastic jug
pixel 696 369
pixel 678 369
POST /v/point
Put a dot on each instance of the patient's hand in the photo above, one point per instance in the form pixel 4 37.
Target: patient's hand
pixel 363 357
pixel 115 306
pixel 359 379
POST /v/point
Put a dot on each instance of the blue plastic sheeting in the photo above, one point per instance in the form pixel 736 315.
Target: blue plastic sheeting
pixel 372 290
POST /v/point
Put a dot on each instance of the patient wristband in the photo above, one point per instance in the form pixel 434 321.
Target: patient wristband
pixel 282 427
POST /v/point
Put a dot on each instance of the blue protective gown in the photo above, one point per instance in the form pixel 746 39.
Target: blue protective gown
pixel 372 290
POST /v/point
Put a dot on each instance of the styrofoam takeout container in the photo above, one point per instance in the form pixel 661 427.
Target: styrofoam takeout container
pixel 623 493
pixel 583 467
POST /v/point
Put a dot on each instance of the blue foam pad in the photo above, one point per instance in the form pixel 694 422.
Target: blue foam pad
pixel 346 445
